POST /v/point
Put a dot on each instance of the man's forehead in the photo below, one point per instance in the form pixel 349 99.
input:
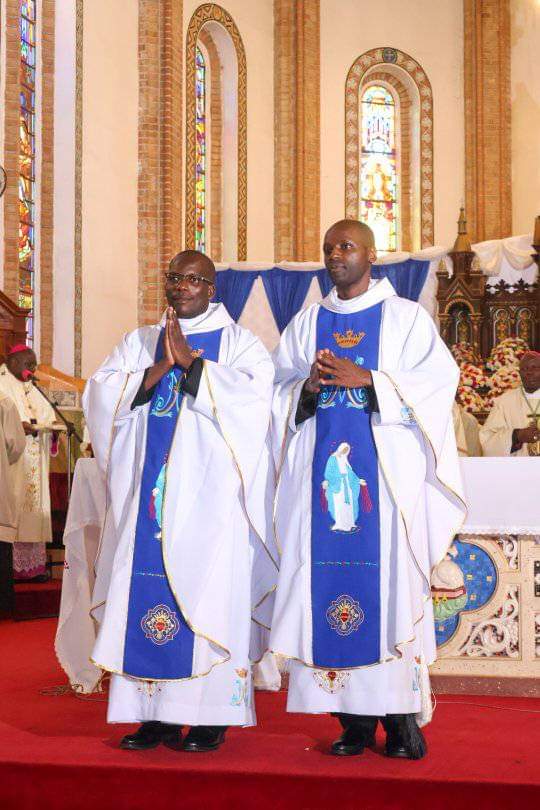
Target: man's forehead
pixel 530 360
pixel 193 264
pixel 347 230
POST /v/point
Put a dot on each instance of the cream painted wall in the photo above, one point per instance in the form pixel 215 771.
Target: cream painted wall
pixel 255 22
pixel 109 177
pixel 432 33
pixel 525 114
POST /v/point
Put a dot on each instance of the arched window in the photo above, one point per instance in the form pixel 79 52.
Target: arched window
pixel 27 161
pixel 389 148
pixel 378 170
pixel 201 151
pixel 216 135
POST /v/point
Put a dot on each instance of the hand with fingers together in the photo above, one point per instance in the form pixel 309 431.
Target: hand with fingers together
pixel 176 347
pixel 341 371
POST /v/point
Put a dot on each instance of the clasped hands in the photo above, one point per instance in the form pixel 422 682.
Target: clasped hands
pixel 340 371
pixel 176 351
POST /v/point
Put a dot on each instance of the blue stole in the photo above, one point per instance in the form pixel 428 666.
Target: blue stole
pixel 345 530
pixel 159 643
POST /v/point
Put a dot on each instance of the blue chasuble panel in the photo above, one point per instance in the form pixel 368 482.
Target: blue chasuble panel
pixel 159 643
pixel 345 532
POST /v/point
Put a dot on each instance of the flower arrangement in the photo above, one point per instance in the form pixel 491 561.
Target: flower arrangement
pixel 480 382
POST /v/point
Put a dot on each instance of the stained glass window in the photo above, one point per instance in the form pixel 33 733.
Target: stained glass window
pixel 378 169
pixel 27 159
pixel 201 151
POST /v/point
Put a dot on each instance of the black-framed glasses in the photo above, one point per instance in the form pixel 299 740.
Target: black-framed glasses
pixel 191 279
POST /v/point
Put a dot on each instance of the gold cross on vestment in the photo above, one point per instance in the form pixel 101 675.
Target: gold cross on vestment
pixel 533 448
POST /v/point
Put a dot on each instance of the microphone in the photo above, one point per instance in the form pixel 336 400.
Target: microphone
pixel 28 376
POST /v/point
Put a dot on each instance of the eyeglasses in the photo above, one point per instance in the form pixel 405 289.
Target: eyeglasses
pixel 174 279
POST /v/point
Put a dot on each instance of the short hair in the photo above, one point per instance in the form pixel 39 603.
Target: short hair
pixel 361 227
pixel 188 256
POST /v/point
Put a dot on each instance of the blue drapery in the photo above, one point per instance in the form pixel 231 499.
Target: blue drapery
pixel 233 288
pixel 407 278
pixel 286 291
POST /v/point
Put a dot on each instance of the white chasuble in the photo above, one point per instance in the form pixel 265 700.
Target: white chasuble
pixel 30 475
pixel 12 445
pixel 209 539
pixel 368 500
pixel 513 410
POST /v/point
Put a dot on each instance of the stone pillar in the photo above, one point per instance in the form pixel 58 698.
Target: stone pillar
pixel 297 129
pixel 487 118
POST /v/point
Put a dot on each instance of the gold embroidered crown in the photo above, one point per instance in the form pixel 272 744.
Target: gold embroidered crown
pixel 349 339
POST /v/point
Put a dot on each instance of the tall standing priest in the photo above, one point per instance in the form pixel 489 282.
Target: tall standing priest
pixel 368 500
pixel 178 415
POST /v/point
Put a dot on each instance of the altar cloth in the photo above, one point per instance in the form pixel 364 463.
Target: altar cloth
pixel 502 495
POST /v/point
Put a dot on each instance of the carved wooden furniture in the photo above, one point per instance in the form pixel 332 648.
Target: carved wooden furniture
pixel 475 312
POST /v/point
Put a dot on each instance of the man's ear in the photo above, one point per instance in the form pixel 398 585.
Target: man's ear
pixel 372 255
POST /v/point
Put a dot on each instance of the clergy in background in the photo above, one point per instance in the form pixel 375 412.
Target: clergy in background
pixel 30 475
pixel 12 444
pixel 179 415
pixel 513 424
pixel 467 430
pixel 363 378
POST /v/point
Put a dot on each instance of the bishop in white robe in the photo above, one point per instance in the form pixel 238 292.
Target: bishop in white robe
pixel 12 444
pixel 512 427
pixel 367 372
pixel 30 474
pixel 179 416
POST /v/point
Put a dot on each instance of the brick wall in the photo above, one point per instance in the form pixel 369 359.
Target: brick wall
pixel 297 130
pixel 487 118
pixel 159 147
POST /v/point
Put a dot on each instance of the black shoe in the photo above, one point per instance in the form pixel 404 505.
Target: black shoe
pixel 204 738
pixel 404 740
pixel 151 734
pixel 359 733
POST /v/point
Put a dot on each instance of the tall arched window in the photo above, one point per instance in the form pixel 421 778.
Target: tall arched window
pixel 378 170
pixel 389 148
pixel 201 151
pixel 216 135
pixel 27 161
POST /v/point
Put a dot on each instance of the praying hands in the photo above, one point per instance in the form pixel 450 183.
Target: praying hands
pixel 341 371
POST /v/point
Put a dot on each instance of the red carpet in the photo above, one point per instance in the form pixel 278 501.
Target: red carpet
pixel 58 753
pixel 36 600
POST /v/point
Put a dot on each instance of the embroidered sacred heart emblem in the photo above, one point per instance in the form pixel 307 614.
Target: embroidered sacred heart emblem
pixel 345 615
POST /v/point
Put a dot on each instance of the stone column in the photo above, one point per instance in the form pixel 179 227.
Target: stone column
pixel 297 129
pixel 487 118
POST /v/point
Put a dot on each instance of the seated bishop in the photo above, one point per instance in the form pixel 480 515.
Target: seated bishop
pixel 368 500
pixel 513 424
pixel 178 415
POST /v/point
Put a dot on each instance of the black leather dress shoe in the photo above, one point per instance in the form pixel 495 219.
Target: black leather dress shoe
pixel 151 734
pixel 404 740
pixel 359 733
pixel 204 738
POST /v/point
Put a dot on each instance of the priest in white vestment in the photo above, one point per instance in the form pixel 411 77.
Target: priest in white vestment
pixel 513 424
pixel 365 370
pixel 12 444
pixel 179 415
pixel 30 475
pixel 467 430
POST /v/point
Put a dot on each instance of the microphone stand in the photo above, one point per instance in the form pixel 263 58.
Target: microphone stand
pixel 71 430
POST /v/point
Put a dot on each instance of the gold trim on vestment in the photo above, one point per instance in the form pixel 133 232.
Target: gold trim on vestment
pixel 236 463
pixel 176 597
pixel 107 504
pixel 283 453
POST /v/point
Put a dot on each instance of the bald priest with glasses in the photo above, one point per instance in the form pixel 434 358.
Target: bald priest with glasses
pixel 178 414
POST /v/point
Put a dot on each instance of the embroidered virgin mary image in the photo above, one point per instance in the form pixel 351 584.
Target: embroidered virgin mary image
pixel 341 489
